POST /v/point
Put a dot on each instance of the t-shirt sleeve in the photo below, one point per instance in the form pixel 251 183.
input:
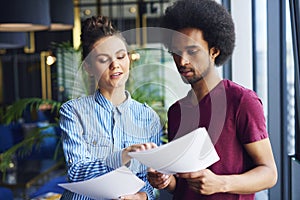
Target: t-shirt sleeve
pixel 251 122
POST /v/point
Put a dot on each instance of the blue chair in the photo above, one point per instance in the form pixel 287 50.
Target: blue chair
pixel 51 186
pixel 6 141
pixel 6 137
pixel 6 194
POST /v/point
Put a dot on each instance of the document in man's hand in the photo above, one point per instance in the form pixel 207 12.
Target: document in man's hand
pixel 191 152
pixel 112 185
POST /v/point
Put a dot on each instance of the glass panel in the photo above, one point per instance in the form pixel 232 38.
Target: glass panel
pixel 260 63
pixel 290 84
pixel 261 51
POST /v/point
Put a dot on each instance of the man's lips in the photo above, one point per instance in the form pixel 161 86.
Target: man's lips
pixel 186 72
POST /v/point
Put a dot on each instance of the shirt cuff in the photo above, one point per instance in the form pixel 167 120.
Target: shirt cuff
pixel 114 160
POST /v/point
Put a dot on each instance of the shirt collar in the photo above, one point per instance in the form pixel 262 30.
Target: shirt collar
pixel 190 95
pixel 125 105
pixel 106 104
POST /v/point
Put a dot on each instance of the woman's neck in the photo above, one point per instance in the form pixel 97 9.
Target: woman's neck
pixel 115 96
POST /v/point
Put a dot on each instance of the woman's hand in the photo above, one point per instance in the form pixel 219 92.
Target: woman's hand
pixel 136 147
pixel 137 196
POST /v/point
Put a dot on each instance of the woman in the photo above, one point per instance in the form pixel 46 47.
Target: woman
pixel 99 130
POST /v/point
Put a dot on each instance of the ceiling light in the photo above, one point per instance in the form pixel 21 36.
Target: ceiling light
pixel 21 15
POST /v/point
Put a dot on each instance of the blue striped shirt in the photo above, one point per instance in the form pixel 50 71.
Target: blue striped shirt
pixel 94 133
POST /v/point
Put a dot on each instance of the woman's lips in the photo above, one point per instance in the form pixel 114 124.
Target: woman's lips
pixel 116 75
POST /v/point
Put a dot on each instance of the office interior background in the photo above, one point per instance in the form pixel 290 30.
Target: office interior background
pixel 43 62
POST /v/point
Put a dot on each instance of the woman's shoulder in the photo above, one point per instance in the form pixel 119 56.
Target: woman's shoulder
pixel 139 105
pixel 78 102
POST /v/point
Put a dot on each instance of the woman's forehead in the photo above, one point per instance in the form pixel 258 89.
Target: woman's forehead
pixel 109 45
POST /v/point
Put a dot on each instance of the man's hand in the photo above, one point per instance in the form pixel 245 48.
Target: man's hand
pixel 161 181
pixel 203 181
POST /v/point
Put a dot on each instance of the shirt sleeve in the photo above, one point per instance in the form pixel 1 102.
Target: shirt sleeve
pixel 80 164
pixel 251 123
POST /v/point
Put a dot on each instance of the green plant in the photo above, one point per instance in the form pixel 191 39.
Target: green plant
pixel 145 89
pixel 34 138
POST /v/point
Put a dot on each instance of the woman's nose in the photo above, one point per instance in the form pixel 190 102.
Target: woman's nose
pixel 114 64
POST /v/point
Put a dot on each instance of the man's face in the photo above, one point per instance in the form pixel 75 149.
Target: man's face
pixel 191 55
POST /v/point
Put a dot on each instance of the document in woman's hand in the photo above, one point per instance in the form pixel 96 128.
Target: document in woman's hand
pixel 112 185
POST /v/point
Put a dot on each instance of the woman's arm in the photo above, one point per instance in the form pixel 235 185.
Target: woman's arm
pixel 81 164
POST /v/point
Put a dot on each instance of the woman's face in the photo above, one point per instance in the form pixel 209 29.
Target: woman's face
pixel 109 63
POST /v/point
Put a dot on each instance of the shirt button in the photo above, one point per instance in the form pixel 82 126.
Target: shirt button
pixel 70 161
pixel 94 142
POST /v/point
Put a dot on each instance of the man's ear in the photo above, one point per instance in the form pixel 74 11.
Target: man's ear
pixel 214 52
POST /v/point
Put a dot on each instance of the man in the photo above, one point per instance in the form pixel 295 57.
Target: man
pixel 203 37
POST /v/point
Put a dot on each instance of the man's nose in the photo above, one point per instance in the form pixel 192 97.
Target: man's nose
pixel 183 60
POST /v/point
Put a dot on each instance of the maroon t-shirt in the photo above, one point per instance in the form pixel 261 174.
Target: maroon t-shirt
pixel 233 116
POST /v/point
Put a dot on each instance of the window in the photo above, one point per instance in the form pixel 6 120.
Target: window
pixel 295 30
pixel 290 99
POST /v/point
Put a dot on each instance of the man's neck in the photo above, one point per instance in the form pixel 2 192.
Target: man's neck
pixel 204 86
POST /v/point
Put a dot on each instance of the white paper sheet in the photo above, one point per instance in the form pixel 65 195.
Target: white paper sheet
pixel 112 185
pixel 191 152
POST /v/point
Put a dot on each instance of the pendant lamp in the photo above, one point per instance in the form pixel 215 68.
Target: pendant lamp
pixel 24 15
pixel 62 15
pixel 12 40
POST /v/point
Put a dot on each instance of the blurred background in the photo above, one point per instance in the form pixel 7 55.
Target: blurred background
pixel 40 62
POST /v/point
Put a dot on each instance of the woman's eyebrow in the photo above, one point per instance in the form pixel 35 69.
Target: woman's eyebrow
pixel 106 54
pixel 121 50
pixel 101 54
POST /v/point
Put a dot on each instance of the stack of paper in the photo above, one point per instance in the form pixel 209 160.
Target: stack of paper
pixel 191 152
pixel 112 185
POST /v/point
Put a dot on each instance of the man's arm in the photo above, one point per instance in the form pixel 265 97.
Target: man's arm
pixel 262 176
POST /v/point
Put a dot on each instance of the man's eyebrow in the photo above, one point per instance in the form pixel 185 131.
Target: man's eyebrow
pixel 192 47
pixel 176 49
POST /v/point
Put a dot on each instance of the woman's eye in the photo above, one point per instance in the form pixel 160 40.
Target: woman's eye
pixel 121 56
pixel 103 60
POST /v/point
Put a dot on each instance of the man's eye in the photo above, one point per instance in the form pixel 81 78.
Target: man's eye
pixel 174 52
pixel 192 51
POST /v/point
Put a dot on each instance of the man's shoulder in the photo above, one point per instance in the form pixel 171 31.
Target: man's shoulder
pixel 236 89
